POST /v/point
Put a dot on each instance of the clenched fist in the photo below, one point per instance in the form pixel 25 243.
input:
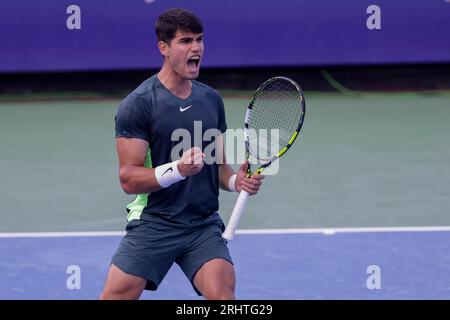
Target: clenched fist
pixel 191 162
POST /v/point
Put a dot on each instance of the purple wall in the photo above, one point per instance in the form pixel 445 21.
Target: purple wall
pixel 118 34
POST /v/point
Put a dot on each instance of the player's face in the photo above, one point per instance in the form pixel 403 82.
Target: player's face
pixel 184 54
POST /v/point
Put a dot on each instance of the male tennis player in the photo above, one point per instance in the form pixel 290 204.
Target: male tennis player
pixel 174 217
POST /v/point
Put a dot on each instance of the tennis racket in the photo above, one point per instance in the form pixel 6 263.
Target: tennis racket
pixel 275 113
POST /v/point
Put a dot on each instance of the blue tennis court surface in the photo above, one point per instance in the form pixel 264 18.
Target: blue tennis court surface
pixel 411 265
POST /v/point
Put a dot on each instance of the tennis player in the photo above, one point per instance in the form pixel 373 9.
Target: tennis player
pixel 175 215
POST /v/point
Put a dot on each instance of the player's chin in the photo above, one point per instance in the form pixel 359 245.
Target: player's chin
pixel 192 75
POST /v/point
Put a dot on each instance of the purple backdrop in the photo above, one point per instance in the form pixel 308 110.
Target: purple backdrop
pixel 118 34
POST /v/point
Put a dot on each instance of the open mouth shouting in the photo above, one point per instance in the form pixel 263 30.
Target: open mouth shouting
pixel 193 63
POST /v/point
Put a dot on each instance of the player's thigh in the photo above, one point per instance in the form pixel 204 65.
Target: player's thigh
pixel 147 252
pixel 207 262
pixel 216 279
pixel 120 285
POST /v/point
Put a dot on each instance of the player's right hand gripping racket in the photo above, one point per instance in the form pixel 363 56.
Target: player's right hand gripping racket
pixel 278 104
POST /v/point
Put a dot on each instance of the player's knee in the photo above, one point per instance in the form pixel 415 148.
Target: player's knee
pixel 224 295
pixel 114 292
pixel 123 292
pixel 219 293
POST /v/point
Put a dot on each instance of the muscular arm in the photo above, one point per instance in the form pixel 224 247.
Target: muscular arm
pixel 134 177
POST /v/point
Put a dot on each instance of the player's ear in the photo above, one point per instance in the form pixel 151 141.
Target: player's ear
pixel 163 48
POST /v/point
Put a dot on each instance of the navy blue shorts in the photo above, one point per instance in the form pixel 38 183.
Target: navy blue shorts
pixel 148 250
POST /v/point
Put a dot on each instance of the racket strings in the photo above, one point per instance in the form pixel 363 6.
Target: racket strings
pixel 277 106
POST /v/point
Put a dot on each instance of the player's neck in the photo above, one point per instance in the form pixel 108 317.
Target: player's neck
pixel 174 83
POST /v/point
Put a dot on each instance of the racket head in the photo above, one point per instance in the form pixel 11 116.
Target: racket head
pixel 274 118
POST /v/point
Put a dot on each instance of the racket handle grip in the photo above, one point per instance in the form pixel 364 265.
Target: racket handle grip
pixel 236 215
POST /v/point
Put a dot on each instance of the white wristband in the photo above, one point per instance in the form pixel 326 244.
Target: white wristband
pixel 232 183
pixel 167 174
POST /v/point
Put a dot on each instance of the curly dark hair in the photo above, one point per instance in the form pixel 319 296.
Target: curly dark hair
pixel 175 19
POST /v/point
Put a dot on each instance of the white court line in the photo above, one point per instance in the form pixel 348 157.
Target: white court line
pixel 326 231
pixel 61 234
pixel 345 230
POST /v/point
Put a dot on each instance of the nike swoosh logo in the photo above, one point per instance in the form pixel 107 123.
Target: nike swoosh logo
pixel 184 109
pixel 168 170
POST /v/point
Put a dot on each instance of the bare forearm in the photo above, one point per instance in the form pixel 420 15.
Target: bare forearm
pixel 225 172
pixel 137 180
